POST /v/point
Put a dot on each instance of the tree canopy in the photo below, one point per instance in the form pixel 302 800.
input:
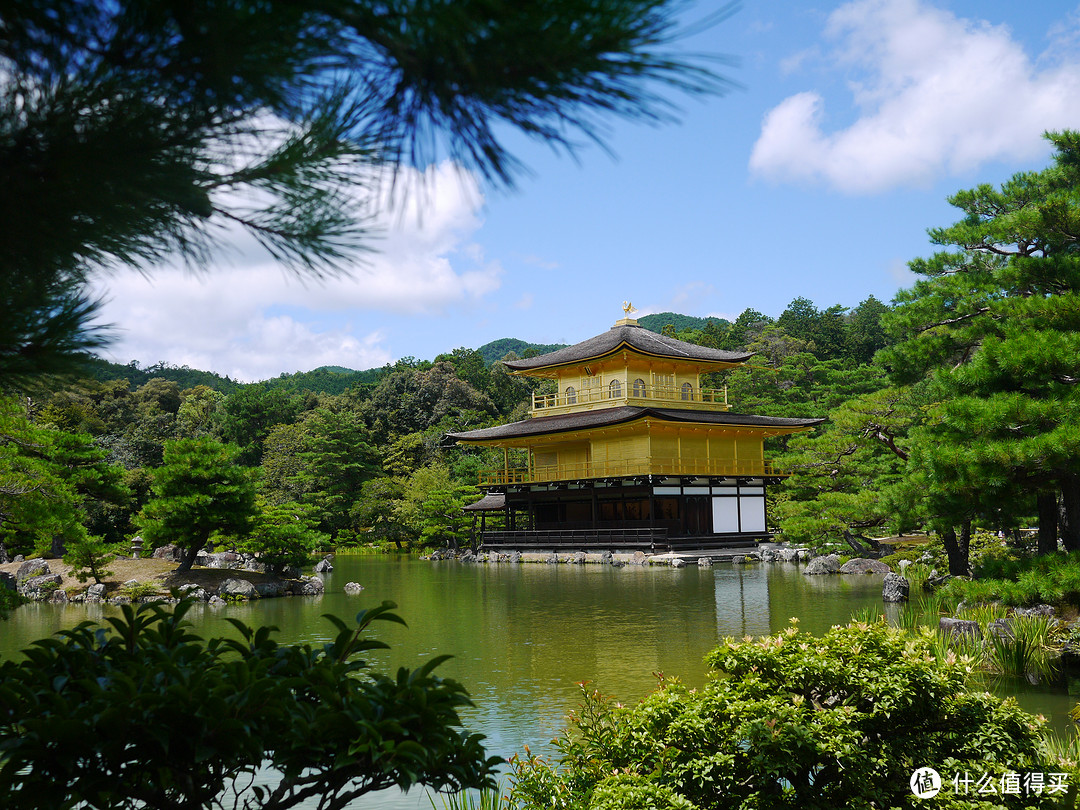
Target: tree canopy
pixel 993 324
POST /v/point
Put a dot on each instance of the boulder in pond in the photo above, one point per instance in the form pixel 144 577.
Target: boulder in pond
pixel 308 586
pixel 237 589
pixel 353 588
pixel 829 564
pixel 41 587
pixel 860 565
pixel 895 588
pixel 95 593
pixel 324 566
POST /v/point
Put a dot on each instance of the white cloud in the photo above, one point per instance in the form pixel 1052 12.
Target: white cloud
pixel 225 319
pixel 937 94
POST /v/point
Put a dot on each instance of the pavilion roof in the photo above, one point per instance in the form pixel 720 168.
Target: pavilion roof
pixel 632 336
pixel 489 503
pixel 608 417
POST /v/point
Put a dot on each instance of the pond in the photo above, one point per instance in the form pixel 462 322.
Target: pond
pixel 523 636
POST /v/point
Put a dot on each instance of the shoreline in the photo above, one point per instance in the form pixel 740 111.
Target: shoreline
pixel 147 579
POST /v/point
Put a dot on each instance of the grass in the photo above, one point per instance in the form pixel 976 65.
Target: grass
pixel 472 800
pixel 1031 649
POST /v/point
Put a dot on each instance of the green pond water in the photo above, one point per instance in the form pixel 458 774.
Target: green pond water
pixel 524 636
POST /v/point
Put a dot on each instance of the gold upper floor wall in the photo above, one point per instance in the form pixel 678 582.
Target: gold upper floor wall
pixel 628 379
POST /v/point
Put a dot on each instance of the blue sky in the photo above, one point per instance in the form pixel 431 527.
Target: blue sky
pixel 818 177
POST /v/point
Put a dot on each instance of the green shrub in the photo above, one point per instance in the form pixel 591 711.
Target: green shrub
pixel 794 721
pixel 1020 581
pixel 140 590
pixel 146 714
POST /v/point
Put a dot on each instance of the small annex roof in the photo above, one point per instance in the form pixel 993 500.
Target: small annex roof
pixel 608 417
pixel 627 333
pixel 489 503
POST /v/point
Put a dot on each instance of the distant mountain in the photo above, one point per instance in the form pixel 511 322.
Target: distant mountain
pixel 336 379
pixel 136 375
pixel 498 349
pixel 657 321
pixel 324 380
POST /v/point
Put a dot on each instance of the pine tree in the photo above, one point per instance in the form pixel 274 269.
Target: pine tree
pixel 994 324
pixel 199 490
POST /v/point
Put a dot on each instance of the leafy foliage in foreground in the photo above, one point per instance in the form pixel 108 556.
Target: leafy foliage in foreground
pixel 150 715
pixel 793 720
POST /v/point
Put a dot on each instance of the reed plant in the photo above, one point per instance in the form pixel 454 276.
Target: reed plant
pixel 1032 648
pixel 867 615
pixel 1063 749
pixel 910 617
pixel 917 574
pixel 985 613
pixel 472 800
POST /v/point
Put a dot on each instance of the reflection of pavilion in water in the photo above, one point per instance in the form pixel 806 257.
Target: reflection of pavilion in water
pixel 742 601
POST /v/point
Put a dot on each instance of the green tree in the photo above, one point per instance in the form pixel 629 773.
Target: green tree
pixel 48 481
pixel 865 332
pixel 376 513
pixel 147 714
pixel 195 416
pixel 88 556
pixel 156 124
pixel 336 461
pixel 431 506
pixel 852 477
pixel 198 491
pixel 992 325
pixel 283 535
pixel 247 416
pixel 794 721
pixel 414 400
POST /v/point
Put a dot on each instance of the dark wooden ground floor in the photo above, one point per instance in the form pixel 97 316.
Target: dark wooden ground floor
pixel 650 514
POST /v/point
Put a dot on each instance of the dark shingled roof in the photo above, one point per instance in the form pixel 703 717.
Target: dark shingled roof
pixel 633 336
pixel 607 417
pixel 491 501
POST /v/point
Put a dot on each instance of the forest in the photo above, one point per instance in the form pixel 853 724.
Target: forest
pixel 950 410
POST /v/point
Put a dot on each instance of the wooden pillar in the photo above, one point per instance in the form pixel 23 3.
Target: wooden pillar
pixel 506 465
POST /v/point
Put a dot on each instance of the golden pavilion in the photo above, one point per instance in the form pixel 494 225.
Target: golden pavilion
pixel 630 452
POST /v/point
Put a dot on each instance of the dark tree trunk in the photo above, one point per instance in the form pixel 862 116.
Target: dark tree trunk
pixel 849 538
pixel 957 548
pixel 1048 522
pixel 1070 512
pixel 189 557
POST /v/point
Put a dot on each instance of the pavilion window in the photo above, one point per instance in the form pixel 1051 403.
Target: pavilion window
pixel 615 389
pixel 639 388
pixel 571 395
pixel 687 391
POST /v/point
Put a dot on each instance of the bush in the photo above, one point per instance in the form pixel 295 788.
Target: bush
pixel 1019 581
pixel 794 721
pixel 149 715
